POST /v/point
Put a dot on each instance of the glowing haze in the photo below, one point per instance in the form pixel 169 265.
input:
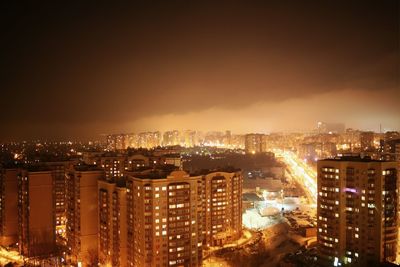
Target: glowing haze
pixel 79 71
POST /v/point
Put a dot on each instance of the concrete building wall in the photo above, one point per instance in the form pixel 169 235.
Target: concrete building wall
pixel 82 214
pixel 9 207
pixel 36 213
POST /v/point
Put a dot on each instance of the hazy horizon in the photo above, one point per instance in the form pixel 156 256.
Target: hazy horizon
pixel 78 70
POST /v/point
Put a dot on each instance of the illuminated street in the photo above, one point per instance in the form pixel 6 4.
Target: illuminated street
pixel 9 256
pixel 301 173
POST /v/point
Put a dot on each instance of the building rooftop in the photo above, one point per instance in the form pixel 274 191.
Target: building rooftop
pixel 37 168
pixel 82 167
pixel 220 169
pixel 353 158
pixel 160 172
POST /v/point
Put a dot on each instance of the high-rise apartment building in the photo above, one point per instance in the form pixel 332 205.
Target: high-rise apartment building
pixel 117 141
pixel 222 208
pixel 113 166
pixel 36 212
pixel 82 214
pixel 8 206
pixel 171 138
pixel 164 219
pixel 255 143
pixel 59 170
pixel 357 211
pixel 112 223
pixel 173 215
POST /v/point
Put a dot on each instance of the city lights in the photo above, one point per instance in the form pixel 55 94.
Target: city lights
pixel 200 133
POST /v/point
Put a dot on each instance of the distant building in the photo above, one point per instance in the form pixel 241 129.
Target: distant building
pixel 149 139
pixel 237 141
pixel 115 164
pixel 367 141
pixel 171 138
pixel 8 206
pixel 173 159
pixel 317 150
pixel 325 127
pixel 391 135
pixel 255 143
pixel 36 213
pixel 82 214
pixel 357 211
pixel 391 150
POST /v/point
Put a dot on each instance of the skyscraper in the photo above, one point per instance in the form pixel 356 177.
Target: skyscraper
pixel 357 211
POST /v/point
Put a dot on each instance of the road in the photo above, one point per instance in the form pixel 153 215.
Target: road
pixel 300 172
pixel 9 256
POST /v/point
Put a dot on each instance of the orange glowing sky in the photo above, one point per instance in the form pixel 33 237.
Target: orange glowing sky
pixel 81 70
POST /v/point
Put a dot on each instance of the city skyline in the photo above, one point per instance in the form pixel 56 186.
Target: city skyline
pixel 78 71
pixel 101 137
pixel 200 133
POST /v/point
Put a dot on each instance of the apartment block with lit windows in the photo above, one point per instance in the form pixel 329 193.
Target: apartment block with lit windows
pixel 367 140
pixel 115 164
pixel 255 143
pixel 82 214
pixel 357 211
pixel 36 212
pixel 8 206
pixel 59 170
pixel 112 223
pixel 222 217
pixel 164 219
pixel 112 166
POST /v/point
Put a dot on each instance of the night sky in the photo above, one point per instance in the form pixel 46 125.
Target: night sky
pixel 80 70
